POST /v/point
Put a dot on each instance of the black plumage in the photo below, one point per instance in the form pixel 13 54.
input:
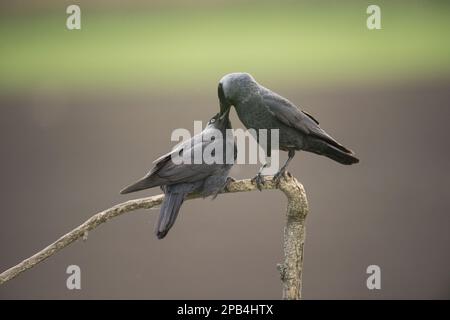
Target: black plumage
pixel 177 180
pixel 261 108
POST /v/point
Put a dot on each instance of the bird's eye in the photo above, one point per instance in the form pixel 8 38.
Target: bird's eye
pixel 212 120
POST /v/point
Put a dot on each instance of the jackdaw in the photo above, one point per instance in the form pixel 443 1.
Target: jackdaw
pixel 187 175
pixel 260 108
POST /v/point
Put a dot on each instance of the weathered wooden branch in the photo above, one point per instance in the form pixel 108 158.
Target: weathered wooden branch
pixel 294 232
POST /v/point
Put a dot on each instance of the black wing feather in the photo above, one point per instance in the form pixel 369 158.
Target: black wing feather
pixel 290 115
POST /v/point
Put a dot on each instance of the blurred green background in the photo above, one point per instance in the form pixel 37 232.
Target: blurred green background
pixel 84 113
pixel 160 45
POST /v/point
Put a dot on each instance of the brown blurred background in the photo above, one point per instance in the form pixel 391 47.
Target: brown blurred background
pixel 81 118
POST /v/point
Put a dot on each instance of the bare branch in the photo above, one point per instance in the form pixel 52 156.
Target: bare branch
pixel 294 232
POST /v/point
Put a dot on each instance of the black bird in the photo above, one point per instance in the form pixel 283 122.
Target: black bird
pixel 178 179
pixel 260 108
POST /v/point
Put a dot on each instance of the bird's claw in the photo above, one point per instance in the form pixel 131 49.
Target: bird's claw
pixel 280 174
pixel 228 183
pixel 258 180
pixel 225 187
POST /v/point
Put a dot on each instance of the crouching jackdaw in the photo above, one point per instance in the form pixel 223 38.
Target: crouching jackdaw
pixel 188 175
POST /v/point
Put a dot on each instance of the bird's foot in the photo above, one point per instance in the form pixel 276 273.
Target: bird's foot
pixel 280 174
pixel 229 181
pixel 225 187
pixel 258 180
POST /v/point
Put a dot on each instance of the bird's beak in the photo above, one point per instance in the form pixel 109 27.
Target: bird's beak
pixel 224 108
pixel 224 112
pixel 225 105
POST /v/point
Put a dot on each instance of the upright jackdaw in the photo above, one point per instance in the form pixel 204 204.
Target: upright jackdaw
pixel 261 108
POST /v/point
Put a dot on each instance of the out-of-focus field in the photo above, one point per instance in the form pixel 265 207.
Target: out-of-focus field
pixel 162 47
pixel 84 113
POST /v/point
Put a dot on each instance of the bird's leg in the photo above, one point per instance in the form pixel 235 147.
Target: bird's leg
pixel 282 171
pixel 258 179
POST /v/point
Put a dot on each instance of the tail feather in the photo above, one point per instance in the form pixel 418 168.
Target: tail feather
pixel 169 212
pixel 331 151
pixel 325 137
pixel 144 183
